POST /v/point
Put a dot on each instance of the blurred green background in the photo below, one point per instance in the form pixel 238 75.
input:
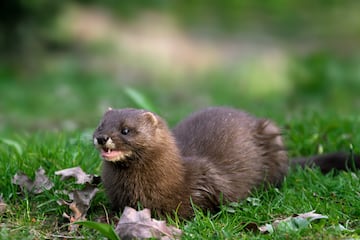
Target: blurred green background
pixel 62 63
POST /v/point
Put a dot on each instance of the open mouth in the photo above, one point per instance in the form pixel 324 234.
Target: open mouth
pixel 108 151
pixel 111 154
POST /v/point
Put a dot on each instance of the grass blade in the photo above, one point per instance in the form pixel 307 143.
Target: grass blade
pixel 105 229
pixel 139 99
pixel 13 144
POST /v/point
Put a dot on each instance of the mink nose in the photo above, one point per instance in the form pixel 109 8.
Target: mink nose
pixel 102 139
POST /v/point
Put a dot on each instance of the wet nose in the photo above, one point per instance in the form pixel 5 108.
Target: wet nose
pixel 102 139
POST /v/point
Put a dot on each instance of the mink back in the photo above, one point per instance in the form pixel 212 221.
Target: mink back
pixel 230 153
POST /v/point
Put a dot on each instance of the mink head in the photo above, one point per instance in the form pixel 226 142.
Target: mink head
pixel 123 134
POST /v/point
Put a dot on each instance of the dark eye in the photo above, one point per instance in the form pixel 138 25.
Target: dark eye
pixel 125 131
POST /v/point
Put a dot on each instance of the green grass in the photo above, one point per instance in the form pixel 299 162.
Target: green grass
pixel 38 216
pixel 51 118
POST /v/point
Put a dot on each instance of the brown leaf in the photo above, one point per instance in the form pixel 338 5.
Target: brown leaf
pixel 83 197
pixel 79 205
pixel 39 185
pixel 139 224
pixel 76 172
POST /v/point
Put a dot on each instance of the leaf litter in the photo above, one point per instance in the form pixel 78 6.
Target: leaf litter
pixel 39 185
pixel 139 224
pixel 132 223
pixel 79 204
pixel 80 200
pixel 80 176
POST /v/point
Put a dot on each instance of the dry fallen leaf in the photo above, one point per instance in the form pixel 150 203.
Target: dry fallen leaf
pixel 79 205
pixel 295 222
pixel 76 215
pixel 83 197
pixel 80 176
pixel 39 185
pixel 80 199
pixel 139 224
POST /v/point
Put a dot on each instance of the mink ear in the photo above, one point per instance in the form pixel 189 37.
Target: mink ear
pixel 150 118
pixel 109 109
pixel 268 130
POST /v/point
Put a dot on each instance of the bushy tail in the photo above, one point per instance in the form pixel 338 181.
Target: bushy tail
pixel 331 161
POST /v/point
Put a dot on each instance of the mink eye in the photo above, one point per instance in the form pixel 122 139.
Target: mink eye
pixel 125 131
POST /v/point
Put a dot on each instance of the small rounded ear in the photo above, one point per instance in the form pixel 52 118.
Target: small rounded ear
pixel 109 109
pixel 266 129
pixel 150 118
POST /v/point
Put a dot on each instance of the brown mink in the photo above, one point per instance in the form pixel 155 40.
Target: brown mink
pixel 215 156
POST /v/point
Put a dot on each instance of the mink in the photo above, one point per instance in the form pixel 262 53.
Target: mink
pixel 215 156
